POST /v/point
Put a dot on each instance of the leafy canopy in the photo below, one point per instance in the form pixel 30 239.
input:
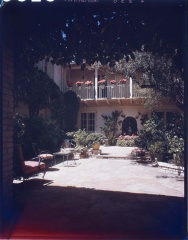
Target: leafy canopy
pixel 102 31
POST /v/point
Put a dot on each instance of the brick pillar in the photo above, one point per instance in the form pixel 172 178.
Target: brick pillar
pixel 8 79
pixel 6 132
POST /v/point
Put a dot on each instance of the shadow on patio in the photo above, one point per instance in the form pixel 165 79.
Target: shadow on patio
pixel 53 212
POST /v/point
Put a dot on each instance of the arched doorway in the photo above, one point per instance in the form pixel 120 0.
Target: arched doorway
pixel 129 126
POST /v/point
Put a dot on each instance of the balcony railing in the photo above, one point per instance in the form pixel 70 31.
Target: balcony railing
pixel 104 92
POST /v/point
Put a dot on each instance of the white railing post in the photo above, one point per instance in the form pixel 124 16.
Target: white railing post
pixel 131 87
pixel 96 82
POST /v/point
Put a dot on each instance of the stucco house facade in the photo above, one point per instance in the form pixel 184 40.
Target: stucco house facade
pixel 101 99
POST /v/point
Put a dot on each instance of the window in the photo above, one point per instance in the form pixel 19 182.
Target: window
pixel 88 122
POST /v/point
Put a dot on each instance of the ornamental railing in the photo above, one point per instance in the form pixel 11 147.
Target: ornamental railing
pixel 104 92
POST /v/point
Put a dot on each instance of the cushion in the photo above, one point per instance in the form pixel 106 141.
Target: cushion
pixel 31 166
pixel 46 156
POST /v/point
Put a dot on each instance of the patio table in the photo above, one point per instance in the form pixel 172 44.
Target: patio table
pixel 64 153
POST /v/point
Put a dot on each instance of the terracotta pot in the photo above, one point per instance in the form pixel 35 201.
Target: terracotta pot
pixel 82 155
pixel 96 146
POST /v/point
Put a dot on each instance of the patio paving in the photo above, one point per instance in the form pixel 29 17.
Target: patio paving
pixel 101 199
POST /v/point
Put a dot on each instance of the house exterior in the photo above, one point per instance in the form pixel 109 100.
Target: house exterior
pixel 98 100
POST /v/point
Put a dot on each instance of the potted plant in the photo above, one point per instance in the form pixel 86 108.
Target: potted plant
pixel 122 81
pixel 159 149
pixel 83 151
pixel 79 83
pixel 79 137
pixel 88 83
pixel 113 81
pixel 177 149
pixel 102 83
pixel 138 152
pixel 94 140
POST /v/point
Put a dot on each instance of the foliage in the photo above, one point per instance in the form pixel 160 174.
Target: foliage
pixel 91 33
pixel 34 88
pixel 158 71
pixel 93 138
pixel 153 131
pixel 176 145
pixel 126 141
pixel 71 108
pixel 110 126
pixel 79 137
pixel 159 147
pixel 57 109
pixel 36 129
pixel 82 150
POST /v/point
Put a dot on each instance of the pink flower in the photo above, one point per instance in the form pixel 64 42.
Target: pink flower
pixel 102 82
pixel 88 83
pixel 113 81
pixel 123 81
pixel 79 83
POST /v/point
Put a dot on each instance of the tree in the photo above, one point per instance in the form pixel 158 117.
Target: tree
pixel 34 88
pixel 103 32
pixel 111 126
pixel 71 108
pixel 158 72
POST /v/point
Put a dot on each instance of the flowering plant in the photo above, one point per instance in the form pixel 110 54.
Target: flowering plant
pixel 88 83
pixel 123 81
pixel 113 81
pixel 102 82
pixel 139 152
pixel 79 83
pixel 126 140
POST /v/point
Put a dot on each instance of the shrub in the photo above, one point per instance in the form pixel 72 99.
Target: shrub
pixel 126 141
pixel 110 127
pixel 153 131
pixel 36 129
pixel 94 138
pixel 79 137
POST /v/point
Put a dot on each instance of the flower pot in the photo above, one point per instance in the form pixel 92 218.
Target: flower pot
pixel 82 155
pixel 96 146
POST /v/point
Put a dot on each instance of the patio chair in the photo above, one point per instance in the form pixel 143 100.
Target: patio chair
pixel 29 167
pixel 43 155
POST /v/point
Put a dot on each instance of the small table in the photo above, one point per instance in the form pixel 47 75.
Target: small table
pixel 65 153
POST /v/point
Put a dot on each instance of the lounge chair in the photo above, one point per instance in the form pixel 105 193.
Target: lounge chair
pixel 29 167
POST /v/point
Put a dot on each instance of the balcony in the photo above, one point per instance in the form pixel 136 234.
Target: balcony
pixel 113 91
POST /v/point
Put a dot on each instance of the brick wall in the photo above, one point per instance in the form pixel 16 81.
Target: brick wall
pixel 7 102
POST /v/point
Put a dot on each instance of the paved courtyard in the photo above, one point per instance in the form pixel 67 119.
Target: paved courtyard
pixel 99 198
